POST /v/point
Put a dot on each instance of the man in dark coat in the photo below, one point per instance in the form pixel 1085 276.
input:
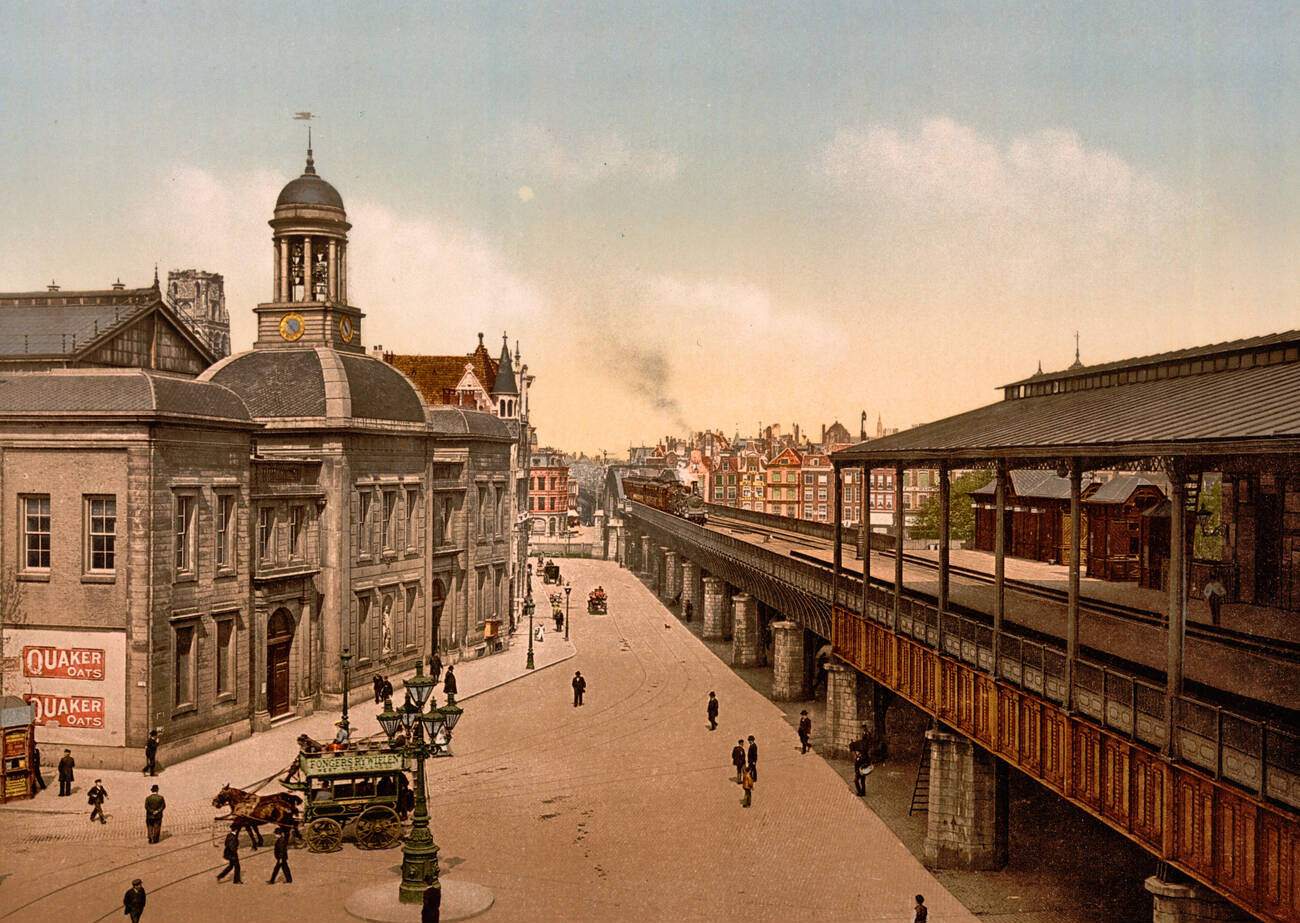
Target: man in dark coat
pixel 431 910
pixel 435 666
pixel 449 684
pixel 579 687
pixel 154 806
pixel 713 711
pixel 36 767
pixel 386 690
pixel 753 758
pixel 281 852
pixel 133 901
pixel 861 769
pixel 96 798
pixel 230 852
pixel 920 913
pixel 738 759
pixel 378 684
pixel 151 754
pixel 66 765
pixel 805 730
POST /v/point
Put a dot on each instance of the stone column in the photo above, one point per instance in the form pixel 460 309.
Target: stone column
pixel 715 601
pixel 306 270
pixel 849 701
pixel 644 564
pixel 690 587
pixel 1188 902
pixel 332 264
pixel 671 576
pixel 966 827
pixel 745 651
pixel 285 293
pixel 789 679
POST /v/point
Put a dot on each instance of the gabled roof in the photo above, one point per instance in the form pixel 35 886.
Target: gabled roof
pixel 438 377
pixel 1122 487
pixel 1031 484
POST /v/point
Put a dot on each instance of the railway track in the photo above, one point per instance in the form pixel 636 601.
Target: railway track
pixel 1284 651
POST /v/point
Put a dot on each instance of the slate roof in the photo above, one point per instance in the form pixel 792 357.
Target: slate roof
pixel 1031 484
pixel 1256 408
pixel 380 392
pixel 435 376
pixel 504 382
pixel 455 421
pixel 88 392
pixel 1119 489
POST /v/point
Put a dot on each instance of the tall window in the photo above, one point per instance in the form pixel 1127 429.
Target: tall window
pixel 36 532
pixel 412 523
pixel 484 514
pixel 439 530
pixel 297 517
pixel 184 533
pixel 184 666
pixel 408 618
pixel 447 511
pixel 363 522
pixel 225 529
pixel 225 656
pixel 482 591
pixel 101 534
pixel 363 628
pixel 265 533
pixel 390 521
pixel 502 506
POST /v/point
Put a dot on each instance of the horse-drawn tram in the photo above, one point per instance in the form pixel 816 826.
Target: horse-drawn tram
pixel 353 793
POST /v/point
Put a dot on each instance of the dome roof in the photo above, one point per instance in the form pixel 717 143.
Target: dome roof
pixel 309 189
pixel 318 384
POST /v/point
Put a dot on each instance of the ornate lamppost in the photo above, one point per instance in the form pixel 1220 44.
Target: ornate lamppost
pixel 568 588
pixel 528 611
pixel 345 658
pixel 426 734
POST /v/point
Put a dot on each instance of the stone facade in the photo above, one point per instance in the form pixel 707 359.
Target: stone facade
pixel 745 649
pixel 966 827
pixel 672 575
pixel 715 602
pixel 789 673
pixel 1188 902
pixel 690 588
pixel 849 700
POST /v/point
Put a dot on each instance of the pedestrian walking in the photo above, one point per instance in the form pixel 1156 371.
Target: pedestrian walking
pixel 713 711
pixel 747 780
pixel 133 901
pixel 689 609
pixel 559 621
pixel 435 666
pixel 449 683
pixel 431 906
pixel 66 765
pixel 281 852
pixel 861 769
pixel 378 685
pixel 230 852
pixel 738 759
pixel 154 806
pixel 1214 592
pixel 579 687
pixel 36 767
pixel 920 913
pixel 96 798
pixel 805 730
pixel 386 690
pixel 151 754
pixel 753 758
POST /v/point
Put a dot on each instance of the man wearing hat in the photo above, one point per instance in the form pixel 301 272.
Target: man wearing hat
pixel 805 730
pixel 133 901
pixel 713 711
pixel 154 806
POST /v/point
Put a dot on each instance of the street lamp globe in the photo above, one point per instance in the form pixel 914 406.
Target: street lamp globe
pixel 420 687
pixel 568 588
pixel 433 723
pixel 390 720
pixel 451 713
pixel 345 658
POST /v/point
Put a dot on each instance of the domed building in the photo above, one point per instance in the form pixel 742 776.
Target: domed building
pixel 298 503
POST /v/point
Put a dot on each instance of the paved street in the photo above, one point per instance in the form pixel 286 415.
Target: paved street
pixel 624 809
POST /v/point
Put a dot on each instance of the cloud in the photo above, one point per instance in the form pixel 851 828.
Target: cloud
pixel 1036 200
pixel 583 160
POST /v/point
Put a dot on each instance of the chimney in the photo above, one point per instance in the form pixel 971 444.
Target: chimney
pixel 118 286
pixel 51 287
pixel 823 434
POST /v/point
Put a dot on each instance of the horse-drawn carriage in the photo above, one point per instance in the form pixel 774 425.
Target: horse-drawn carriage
pixel 354 792
pixel 596 602
pixel 551 573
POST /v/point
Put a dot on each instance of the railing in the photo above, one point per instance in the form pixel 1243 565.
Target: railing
pixel 822 530
pixel 561 549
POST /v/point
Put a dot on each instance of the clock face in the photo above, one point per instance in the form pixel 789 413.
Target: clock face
pixel 345 329
pixel 292 326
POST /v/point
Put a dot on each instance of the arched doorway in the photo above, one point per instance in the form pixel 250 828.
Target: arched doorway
pixel 437 596
pixel 279 641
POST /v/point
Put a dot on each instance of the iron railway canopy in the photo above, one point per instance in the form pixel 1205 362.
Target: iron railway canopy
pixel 1241 397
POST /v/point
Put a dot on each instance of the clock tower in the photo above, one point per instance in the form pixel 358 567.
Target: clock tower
pixel 309 294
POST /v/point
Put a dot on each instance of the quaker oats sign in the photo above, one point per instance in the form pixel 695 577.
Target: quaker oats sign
pixel 75 682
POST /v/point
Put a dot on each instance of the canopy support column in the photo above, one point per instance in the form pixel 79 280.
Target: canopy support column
pixel 866 540
pixel 838 551
pixel 1177 605
pixel 945 545
pixel 898 547
pixel 1076 556
pixel 999 560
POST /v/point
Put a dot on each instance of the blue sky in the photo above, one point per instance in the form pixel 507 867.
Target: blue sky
pixel 767 211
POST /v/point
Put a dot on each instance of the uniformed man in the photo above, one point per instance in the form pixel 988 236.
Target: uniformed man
pixel 96 798
pixel 738 759
pixel 281 852
pixel 66 765
pixel 579 688
pixel 133 901
pixel 713 711
pixel 805 730
pixel 230 852
pixel 154 806
pixel 151 754
pixel 753 758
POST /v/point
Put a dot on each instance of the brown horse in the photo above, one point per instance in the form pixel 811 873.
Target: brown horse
pixel 248 811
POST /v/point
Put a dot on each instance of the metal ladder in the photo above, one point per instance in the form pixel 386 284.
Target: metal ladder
pixel 921 790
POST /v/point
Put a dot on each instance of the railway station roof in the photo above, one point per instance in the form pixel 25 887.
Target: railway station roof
pixel 1241 397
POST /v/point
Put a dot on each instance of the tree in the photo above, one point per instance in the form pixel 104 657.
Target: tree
pixel 11 604
pixel 1210 547
pixel 961 515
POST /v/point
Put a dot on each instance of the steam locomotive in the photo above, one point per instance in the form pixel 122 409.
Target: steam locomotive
pixel 668 495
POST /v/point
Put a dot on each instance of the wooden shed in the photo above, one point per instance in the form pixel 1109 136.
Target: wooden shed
pixel 1115 518
pixel 1037 510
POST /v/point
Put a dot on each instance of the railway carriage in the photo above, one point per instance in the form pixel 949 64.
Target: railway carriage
pixel 668 494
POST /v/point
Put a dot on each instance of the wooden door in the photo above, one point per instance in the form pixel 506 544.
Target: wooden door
pixel 277 678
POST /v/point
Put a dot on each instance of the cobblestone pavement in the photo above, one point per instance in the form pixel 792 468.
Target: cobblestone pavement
pixel 624 809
